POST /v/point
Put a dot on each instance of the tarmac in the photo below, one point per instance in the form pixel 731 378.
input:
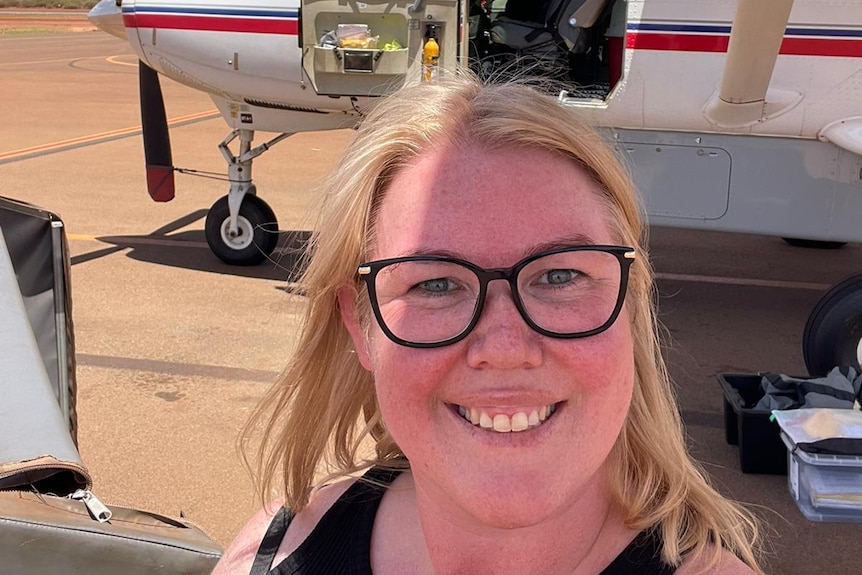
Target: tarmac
pixel 175 348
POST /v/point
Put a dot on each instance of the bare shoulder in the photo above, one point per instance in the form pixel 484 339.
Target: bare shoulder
pixel 239 556
pixel 729 564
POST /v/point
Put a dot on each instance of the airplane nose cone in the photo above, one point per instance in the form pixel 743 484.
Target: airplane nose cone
pixel 108 16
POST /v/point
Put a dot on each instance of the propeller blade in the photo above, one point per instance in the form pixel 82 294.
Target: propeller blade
pixel 157 141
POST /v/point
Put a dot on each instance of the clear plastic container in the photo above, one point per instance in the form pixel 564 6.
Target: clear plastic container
pixel 825 487
pixel 354 36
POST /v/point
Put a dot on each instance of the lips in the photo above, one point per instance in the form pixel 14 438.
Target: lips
pixel 507 420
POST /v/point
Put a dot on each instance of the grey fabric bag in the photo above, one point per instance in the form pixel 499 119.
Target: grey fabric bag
pixel 50 522
pixel 46 534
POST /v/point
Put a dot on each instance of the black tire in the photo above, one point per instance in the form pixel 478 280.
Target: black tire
pixel 258 232
pixel 815 244
pixel 834 328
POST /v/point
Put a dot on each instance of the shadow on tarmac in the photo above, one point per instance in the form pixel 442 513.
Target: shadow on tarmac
pixel 165 248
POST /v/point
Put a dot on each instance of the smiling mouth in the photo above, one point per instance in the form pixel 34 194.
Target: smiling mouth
pixel 507 422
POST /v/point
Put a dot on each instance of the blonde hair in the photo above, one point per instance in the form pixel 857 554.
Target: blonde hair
pixel 324 404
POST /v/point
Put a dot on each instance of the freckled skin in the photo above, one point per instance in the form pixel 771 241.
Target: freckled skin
pixel 493 208
pixel 479 502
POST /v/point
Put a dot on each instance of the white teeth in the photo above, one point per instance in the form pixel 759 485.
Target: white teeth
pixel 519 421
pixel 504 423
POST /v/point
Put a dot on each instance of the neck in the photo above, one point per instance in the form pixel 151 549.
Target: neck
pixel 581 539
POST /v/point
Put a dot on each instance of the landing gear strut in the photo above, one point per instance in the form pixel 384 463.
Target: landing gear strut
pixel 833 332
pixel 241 229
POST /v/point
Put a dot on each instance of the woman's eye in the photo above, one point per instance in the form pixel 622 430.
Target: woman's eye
pixel 436 285
pixel 559 277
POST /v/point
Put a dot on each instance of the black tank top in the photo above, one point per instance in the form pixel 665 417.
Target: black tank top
pixel 340 544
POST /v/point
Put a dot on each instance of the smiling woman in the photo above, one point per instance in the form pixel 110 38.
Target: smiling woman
pixel 524 425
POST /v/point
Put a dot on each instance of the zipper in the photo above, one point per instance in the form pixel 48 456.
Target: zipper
pixel 98 510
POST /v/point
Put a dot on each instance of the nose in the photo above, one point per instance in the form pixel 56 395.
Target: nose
pixel 502 339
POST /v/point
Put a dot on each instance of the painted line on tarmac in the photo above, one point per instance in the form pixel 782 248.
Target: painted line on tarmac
pixel 128 241
pixel 31 62
pixel 748 282
pixel 92 139
pixel 175 368
pixel 82 238
pixel 113 60
pixel 110 59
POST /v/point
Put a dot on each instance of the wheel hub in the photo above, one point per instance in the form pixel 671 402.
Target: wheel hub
pixel 244 236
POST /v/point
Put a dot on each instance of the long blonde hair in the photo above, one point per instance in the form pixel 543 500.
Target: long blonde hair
pixel 324 405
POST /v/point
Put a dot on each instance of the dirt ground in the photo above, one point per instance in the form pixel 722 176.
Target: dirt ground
pixel 16 20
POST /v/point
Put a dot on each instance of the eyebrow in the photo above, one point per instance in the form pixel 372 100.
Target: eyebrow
pixel 561 242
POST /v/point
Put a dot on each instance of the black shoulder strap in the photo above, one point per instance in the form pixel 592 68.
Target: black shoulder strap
pixel 341 540
pixel 269 545
pixel 642 556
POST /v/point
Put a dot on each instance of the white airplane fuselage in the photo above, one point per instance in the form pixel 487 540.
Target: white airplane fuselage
pixel 734 115
pixel 762 144
pixel 675 55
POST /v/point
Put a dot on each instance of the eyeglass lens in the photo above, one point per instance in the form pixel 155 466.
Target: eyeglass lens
pixel 422 301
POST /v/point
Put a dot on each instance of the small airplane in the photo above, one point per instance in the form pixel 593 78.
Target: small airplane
pixel 735 115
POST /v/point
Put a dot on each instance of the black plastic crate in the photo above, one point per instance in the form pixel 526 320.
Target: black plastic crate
pixel 760 447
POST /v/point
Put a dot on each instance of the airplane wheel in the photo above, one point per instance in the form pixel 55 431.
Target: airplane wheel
pixel 815 244
pixel 833 332
pixel 258 232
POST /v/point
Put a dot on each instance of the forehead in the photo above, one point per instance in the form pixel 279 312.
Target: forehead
pixel 491 207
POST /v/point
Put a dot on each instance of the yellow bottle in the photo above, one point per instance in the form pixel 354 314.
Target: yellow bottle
pixel 430 54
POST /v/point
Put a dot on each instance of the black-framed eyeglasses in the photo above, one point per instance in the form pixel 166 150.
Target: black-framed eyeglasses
pixel 431 301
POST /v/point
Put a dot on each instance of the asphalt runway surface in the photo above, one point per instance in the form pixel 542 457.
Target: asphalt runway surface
pixel 174 347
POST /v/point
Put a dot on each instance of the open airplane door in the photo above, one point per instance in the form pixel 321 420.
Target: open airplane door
pixel 372 48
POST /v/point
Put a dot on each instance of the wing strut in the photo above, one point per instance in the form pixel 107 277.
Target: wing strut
pixel 755 40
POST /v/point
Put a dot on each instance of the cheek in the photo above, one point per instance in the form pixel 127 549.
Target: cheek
pixel 407 383
pixel 605 364
pixel 407 379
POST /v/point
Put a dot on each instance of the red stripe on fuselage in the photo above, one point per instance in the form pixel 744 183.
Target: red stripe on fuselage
pixel 714 43
pixel 213 24
pixel 820 47
pixel 677 42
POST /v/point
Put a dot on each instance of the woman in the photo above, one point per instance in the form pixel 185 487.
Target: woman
pixel 523 425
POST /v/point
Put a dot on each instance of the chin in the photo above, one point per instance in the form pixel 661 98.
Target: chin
pixel 510 513
pixel 515 502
